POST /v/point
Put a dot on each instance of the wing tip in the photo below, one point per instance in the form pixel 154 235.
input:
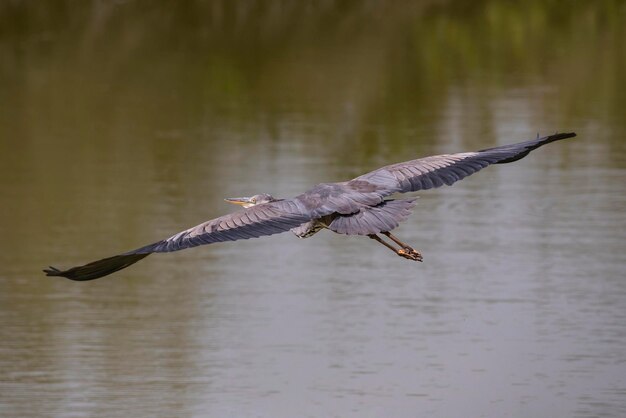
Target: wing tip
pixel 55 272
pixel 96 269
pixel 68 274
pixel 52 271
pixel 563 135
pixel 551 138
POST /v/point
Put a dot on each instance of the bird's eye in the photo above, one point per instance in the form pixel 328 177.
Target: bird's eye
pixel 253 200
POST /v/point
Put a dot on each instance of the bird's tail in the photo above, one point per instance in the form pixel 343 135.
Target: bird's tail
pixel 98 268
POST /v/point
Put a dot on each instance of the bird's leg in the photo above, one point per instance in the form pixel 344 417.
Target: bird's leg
pixel 408 248
pixel 379 239
pixel 395 239
pixel 402 252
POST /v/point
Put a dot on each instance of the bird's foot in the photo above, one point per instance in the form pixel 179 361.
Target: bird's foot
pixel 416 254
pixel 410 254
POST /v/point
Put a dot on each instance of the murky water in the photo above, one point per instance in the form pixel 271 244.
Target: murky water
pixel 122 123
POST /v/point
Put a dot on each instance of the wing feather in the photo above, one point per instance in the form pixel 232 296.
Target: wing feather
pixel 435 171
pixel 266 219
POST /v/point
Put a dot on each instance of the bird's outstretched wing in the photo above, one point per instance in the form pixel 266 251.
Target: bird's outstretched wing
pixel 265 219
pixel 429 172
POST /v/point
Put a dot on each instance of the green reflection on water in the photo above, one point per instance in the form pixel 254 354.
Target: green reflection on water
pixel 166 66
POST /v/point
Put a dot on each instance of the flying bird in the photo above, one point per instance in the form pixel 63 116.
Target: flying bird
pixel 360 206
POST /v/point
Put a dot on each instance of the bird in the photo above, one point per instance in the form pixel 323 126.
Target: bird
pixel 361 206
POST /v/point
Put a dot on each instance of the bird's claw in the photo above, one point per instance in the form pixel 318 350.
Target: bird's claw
pixel 410 254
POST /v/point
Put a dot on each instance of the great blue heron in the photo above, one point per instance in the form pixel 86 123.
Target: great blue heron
pixel 356 207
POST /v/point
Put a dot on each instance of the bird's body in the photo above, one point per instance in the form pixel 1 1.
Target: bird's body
pixel 360 206
pixel 308 229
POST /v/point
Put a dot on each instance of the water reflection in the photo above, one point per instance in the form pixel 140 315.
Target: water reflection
pixel 122 123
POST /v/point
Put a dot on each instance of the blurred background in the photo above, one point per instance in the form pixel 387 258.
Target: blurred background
pixel 123 122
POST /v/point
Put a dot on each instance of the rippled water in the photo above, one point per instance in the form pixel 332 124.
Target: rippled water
pixel 121 124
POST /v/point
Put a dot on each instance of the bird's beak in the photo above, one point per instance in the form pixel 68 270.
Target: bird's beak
pixel 241 201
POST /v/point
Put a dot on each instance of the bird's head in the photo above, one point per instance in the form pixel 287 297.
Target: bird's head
pixel 248 202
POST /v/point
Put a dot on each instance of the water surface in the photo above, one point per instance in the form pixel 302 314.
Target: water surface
pixel 123 123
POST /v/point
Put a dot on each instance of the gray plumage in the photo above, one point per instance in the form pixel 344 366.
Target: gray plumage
pixel 356 207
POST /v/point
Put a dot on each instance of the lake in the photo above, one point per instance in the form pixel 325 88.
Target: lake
pixel 122 123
